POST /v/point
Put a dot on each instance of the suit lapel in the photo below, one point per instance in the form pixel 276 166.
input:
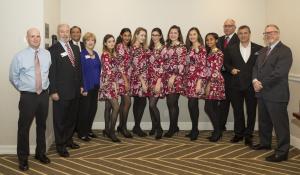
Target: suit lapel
pixel 273 51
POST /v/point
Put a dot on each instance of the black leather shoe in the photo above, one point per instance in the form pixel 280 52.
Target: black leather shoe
pixel 236 139
pixel 138 131
pixel 194 135
pixel 85 138
pixel 63 153
pixel 124 132
pixel 23 165
pixel 43 158
pixel 260 147
pixel 159 134
pixel 248 141
pixel 170 133
pixel 73 145
pixel 152 132
pixel 92 135
pixel 277 158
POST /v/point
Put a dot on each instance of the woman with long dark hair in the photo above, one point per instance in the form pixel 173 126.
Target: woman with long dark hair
pixel 215 90
pixel 123 50
pixel 174 63
pixel 155 76
pixel 195 77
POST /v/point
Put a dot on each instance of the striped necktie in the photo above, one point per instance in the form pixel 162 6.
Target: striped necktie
pixel 38 76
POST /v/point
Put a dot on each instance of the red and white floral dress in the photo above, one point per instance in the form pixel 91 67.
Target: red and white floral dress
pixel 174 63
pixel 156 71
pixel 124 65
pixel 195 70
pixel 215 80
pixel 139 68
pixel 108 82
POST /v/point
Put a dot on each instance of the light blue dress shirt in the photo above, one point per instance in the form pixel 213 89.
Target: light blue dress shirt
pixel 22 69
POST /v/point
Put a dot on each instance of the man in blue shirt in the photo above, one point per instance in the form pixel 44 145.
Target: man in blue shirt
pixel 29 75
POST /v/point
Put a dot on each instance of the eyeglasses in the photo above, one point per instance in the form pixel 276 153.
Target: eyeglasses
pixel 155 35
pixel 270 33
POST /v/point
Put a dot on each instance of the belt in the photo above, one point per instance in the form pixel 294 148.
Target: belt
pixel 33 93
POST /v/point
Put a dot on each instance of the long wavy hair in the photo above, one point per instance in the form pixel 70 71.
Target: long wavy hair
pixel 162 41
pixel 180 38
pixel 188 43
pixel 119 38
pixel 137 32
pixel 112 52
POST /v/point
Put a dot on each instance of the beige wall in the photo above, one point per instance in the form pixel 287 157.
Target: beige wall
pixel 102 17
pixel 16 17
pixel 286 16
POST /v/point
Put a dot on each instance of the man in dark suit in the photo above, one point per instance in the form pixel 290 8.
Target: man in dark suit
pixel 75 32
pixel 65 83
pixel 270 82
pixel 230 38
pixel 240 59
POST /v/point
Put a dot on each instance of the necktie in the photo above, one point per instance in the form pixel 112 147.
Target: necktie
pixel 267 53
pixel 78 44
pixel 38 76
pixel 226 42
pixel 70 55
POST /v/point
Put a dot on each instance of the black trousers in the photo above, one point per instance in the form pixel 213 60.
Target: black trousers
pixel 274 114
pixel 238 97
pixel 64 121
pixel 87 111
pixel 225 105
pixel 32 105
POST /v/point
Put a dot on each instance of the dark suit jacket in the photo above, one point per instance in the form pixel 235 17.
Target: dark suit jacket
pixel 234 39
pixel 273 73
pixel 81 45
pixel 65 79
pixel 233 59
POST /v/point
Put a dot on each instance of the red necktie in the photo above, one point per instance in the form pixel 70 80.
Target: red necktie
pixel 38 76
pixel 70 55
pixel 226 42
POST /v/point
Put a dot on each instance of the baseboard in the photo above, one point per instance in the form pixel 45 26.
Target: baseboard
pixel 12 149
pixel 294 77
pixel 295 141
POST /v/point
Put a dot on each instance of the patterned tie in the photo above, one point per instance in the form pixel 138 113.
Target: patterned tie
pixel 38 76
pixel 226 42
pixel 70 54
pixel 267 53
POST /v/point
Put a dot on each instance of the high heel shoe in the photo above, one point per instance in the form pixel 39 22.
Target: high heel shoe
pixel 171 132
pixel 105 133
pixel 124 132
pixel 194 135
pixel 138 131
pixel 215 138
pixel 159 134
pixel 188 134
pixel 152 132
pixel 113 137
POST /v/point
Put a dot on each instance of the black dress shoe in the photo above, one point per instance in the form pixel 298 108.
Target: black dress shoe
pixel 194 135
pixel 159 134
pixel 124 132
pixel 248 141
pixel 85 138
pixel 277 158
pixel 152 132
pixel 73 145
pixel 260 147
pixel 170 133
pixel 138 131
pixel 92 135
pixel 23 165
pixel 236 139
pixel 63 153
pixel 42 158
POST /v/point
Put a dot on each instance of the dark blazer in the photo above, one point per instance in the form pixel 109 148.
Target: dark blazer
pixel 65 79
pixel 234 39
pixel 81 45
pixel 233 59
pixel 273 73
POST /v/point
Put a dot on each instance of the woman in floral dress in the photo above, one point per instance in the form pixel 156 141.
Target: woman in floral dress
pixel 124 63
pixel 109 87
pixel 174 63
pixel 215 91
pixel 196 73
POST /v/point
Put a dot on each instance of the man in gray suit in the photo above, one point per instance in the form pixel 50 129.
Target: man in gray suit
pixel 270 82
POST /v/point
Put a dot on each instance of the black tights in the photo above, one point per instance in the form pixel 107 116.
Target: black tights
pixel 124 110
pixel 111 112
pixel 139 104
pixel 212 109
pixel 172 103
pixel 194 112
pixel 154 112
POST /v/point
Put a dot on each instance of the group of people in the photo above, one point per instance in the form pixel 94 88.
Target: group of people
pixel 219 70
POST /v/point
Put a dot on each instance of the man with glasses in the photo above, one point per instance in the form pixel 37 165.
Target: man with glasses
pixel 270 82
pixel 230 38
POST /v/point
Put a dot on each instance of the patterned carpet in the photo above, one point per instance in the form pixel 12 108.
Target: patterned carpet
pixel 147 156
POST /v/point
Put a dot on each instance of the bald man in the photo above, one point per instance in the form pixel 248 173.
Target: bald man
pixel 29 75
pixel 229 39
pixel 65 83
